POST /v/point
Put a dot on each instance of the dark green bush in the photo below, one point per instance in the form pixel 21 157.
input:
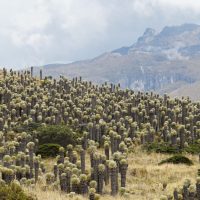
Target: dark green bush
pixel 58 134
pixel 167 148
pixel 13 192
pixel 161 148
pixel 193 148
pixel 48 150
pixel 177 159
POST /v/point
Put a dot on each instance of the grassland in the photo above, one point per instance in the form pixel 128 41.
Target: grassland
pixel 145 178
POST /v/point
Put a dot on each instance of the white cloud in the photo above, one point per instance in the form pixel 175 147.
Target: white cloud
pixel 43 31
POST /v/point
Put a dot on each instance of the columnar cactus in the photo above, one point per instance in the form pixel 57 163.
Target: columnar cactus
pixel 113 175
pixel 123 170
pixel 70 152
pixel 92 194
pixel 31 146
pixel 82 155
pixel 31 71
pixel 40 74
pixel 176 194
pixel 182 136
pixel 68 177
pixel 62 154
pixel 101 170
pixel 83 184
pixel 55 171
pixel 63 182
pixel 198 187
pixel 107 152
pixel 36 168
pixel 75 184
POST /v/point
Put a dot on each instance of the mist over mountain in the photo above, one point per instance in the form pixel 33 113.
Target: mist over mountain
pixel 166 61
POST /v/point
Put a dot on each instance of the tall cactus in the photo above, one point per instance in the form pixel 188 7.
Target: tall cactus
pixel 123 170
pixel 113 175
pixel 101 170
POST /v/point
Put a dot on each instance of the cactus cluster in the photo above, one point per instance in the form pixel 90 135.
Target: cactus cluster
pixel 107 116
pixel 188 191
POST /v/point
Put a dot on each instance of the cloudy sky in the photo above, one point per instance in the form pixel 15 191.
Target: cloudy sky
pixel 37 32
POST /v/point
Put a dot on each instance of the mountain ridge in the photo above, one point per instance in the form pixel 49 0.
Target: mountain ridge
pixel 155 62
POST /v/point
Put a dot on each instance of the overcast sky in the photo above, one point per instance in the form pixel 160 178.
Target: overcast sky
pixel 37 32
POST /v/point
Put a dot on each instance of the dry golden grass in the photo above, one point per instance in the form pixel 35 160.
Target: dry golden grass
pixel 144 178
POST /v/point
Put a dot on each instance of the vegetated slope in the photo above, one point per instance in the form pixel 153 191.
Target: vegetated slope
pixel 160 62
pixel 112 123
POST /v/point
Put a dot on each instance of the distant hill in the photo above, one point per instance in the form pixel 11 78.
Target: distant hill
pixel 163 62
pixel 191 90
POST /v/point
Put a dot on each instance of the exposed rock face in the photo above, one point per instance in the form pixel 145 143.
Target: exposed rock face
pixel 161 62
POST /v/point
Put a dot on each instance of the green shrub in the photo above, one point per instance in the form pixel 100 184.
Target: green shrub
pixel 177 159
pixel 58 134
pixel 161 148
pixel 167 148
pixel 193 148
pixel 48 150
pixel 13 192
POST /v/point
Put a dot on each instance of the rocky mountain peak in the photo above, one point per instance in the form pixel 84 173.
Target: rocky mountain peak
pixel 148 35
pixel 177 30
pixel 162 62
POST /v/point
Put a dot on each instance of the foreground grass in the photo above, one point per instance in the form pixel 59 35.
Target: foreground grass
pixel 145 178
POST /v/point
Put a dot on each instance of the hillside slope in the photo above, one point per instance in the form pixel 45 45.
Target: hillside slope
pixel 191 90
